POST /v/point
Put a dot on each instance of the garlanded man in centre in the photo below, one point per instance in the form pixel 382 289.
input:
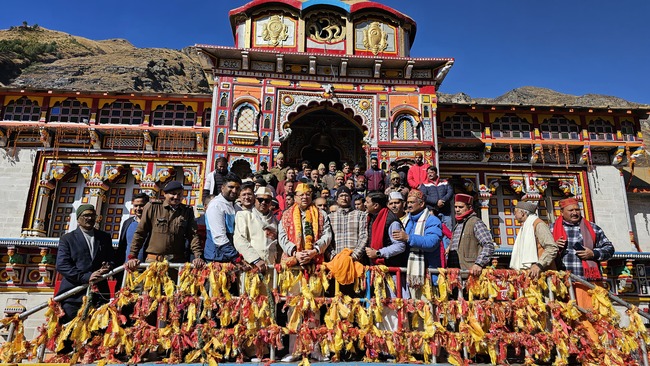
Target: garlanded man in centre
pixel 304 234
pixel 305 231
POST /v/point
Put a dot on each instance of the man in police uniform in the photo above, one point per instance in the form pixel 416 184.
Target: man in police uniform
pixel 168 224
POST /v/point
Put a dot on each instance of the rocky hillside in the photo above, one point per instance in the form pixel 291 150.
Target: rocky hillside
pixel 35 57
pixel 531 95
pixel 31 56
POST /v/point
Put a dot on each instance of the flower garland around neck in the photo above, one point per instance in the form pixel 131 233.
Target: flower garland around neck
pixel 311 226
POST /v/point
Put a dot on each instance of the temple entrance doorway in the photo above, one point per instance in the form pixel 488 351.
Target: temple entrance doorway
pixel 322 134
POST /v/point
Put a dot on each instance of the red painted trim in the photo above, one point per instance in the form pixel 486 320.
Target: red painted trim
pixel 255 3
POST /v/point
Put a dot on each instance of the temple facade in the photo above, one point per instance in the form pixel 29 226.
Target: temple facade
pixel 321 80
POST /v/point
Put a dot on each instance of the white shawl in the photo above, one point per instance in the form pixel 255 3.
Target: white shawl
pixel 524 252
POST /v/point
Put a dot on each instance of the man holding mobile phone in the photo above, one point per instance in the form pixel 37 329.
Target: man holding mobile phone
pixel 582 244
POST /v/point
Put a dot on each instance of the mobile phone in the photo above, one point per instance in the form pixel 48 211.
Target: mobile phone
pixel 578 246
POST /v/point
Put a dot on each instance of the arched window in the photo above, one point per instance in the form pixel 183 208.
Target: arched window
pixel 244 119
pixel 174 114
pixel 600 130
pixel 221 138
pixel 404 127
pixel 121 112
pixel 265 140
pixel 224 100
pixel 461 125
pixel 627 130
pixel 70 110
pixel 222 119
pixel 511 126
pixel 558 127
pixel 268 104
pixel 207 117
pixel 426 111
pixel 382 111
pixel 22 109
pixel 267 122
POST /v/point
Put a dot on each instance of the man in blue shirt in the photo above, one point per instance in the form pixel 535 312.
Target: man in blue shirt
pixel 423 233
pixel 220 222
pixel 128 229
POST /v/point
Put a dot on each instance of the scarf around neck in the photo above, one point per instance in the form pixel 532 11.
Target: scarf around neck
pixel 416 266
pixel 524 252
pixel 590 269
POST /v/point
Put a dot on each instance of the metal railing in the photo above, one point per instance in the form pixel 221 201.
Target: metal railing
pixel 402 314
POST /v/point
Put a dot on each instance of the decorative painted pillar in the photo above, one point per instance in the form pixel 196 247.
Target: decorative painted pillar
pixel 143 175
pixel 192 176
pixel 96 189
pixel 14 267
pixel 46 268
pixel 45 188
pixel 47 184
pixel 484 195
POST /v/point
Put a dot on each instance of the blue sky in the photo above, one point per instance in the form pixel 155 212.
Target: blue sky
pixel 571 46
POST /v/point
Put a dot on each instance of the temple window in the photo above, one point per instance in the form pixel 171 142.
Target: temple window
pixel 382 112
pixel 600 130
pixel 627 130
pixel 221 138
pixel 70 110
pixel 426 111
pixel 22 109
pixel 207 117
pixel 267 122
pixel 558 127
pixel 265 140
pixel 222 119
pixel 244 118
pixel 224 100
pixel 461 125
pixel 67 193
pixel 121 112
pixel 174 114
pixel 268 105
pixel 405 128
pixel 511 126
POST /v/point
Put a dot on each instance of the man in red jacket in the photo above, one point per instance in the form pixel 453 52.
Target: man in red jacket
pixel 418 171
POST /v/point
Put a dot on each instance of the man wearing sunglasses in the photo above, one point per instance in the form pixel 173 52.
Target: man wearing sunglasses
pixel 256 232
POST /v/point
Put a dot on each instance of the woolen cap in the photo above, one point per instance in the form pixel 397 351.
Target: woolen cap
pixel 343 189
pixel 83 208
pixel 528 206
pixel 464 198
pixel 172 186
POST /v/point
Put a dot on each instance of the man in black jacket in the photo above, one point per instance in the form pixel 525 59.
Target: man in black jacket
pixel 84 255
pixel 438 193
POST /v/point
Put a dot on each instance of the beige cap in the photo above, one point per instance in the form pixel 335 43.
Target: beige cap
pixel 264 191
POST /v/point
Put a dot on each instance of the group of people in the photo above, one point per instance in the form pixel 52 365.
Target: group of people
pixel 304 217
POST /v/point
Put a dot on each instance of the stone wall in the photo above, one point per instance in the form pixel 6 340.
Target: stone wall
pixel 611 210
pixel 29 300
pixel 15 179
pixel 640 213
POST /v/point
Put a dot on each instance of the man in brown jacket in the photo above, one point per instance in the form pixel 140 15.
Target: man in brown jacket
pixel 168 224
pixel 472 245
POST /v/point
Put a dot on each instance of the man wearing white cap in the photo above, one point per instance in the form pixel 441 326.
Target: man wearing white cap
pixel 256 232
pixel 396 205
pixel 534 249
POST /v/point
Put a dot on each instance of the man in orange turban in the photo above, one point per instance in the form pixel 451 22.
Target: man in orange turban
pixel 303 234
pixel 305 231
